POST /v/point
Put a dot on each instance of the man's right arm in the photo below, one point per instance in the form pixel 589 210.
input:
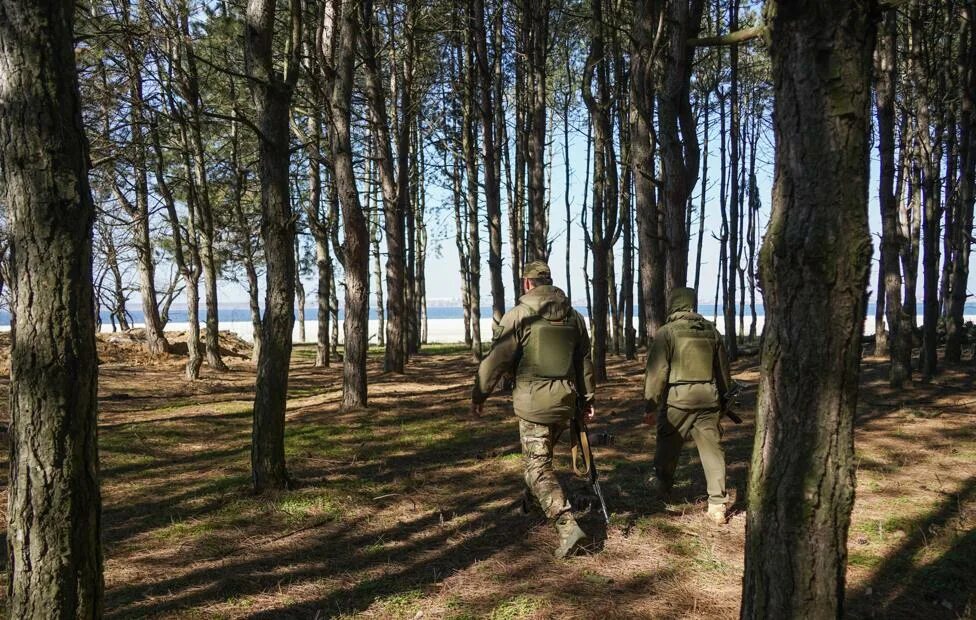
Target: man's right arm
pixel 657 371
pixel 500 359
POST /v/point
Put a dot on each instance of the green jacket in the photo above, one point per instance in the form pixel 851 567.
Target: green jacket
pixel 687 366
pixel 541 337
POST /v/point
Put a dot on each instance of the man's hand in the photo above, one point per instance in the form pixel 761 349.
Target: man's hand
pixel 477 409
pixel 650 413
pixel 589 411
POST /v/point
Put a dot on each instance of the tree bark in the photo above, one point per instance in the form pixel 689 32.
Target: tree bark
pixel 814 270
pixel 393 186
pixel 190 83
pixel 651 250
pixel 731 336
pixel 489 156
pixel 343 33
pixel 604 227
pixel 188 266
pixel 468 145
pixel 899 325
pixel 54 517
pixel 930 151
pixel 962 241
pixel 678 134
pixel 139 210
pixel 537 23
pixel 272 91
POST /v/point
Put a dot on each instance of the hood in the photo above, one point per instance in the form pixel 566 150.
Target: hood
pixel 548 301
pixel 682 300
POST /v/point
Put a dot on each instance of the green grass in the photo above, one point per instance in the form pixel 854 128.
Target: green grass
pixel 305 505
pixel 521 606
pixel 864 559
pixel 401 604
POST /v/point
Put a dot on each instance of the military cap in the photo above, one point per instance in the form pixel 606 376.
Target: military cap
pixel 536 269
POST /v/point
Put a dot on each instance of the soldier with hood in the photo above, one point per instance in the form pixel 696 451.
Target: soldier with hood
pixel 543 343
pixel 686 382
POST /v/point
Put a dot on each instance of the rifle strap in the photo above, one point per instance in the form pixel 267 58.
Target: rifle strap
pixel 581 448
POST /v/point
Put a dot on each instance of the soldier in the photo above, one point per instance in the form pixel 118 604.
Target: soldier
pixel 544 344
pixel 688 375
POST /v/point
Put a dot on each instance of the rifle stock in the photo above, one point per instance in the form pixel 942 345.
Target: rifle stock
pixel 731 398
pixel 581 449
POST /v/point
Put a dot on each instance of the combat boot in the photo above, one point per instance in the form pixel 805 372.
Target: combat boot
pixel 658 488
pixel 571 536
pixel 716 513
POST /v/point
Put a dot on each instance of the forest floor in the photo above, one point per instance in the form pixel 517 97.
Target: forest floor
pixel 410 509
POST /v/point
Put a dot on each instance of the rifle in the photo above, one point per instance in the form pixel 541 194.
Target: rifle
pixel 731 399
pixel 583 463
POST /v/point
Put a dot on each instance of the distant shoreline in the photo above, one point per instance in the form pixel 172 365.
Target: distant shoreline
pixel 439 330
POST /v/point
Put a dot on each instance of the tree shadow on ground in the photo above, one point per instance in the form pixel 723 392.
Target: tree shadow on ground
pixel 905 577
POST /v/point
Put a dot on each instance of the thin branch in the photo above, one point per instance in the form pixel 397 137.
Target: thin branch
pixel 733 38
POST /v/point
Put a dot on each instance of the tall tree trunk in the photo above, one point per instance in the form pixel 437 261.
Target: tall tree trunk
pixel 706 113
pixel 931 157
pixel 393 185
pixel 754 205
pixel 54 517
pixel 731 336
pixel 605 186
pixel 567 171
pixel 272 92
pixel 537 24
pixel 373 209
pixel 248 252
pixel 468 145
pixel 420 241
pixel 899 325
pixel 139 210
pixel 678 134
pixel 319 227
pixel 962 240
pixel 625 305
pixel 489 154
pixel 188 266
pixel 814 270
pixel 299 292
pixel 190 84
pixel 651 251
pixel 342 32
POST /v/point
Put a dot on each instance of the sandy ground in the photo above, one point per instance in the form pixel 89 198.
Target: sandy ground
pixel 410 509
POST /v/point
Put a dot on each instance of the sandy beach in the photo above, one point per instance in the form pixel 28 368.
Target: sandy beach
pixel 438 330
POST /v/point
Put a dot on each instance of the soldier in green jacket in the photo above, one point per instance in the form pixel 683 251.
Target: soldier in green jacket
pixel 688 376
pixel 543 343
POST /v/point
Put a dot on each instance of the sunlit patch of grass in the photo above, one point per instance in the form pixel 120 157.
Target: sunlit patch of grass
pixel 400 605
pixel 304 506
pixel 879 530
pixel 191 528
pixel 652 524
pixel 863 559
pixel 444 348
pixel 240 602
pixel 521 606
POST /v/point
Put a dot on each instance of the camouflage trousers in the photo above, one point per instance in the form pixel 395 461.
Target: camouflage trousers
pixel 537 444
pixel 673 430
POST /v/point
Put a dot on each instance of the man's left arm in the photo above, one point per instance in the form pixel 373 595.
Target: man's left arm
pixel 583 364
pixel 723 376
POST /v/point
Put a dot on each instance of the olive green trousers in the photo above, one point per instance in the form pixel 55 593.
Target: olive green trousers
pixel 673 429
